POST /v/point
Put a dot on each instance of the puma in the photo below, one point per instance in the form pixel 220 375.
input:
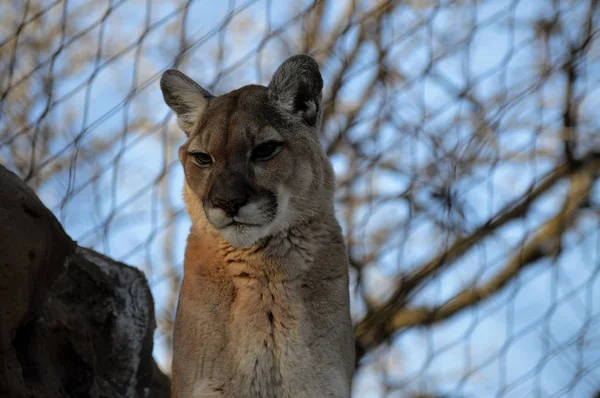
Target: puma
pixel 264 304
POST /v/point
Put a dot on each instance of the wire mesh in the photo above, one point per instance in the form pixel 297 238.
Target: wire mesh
pixel 464 135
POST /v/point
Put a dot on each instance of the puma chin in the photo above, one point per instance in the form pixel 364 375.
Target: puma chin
pixel 252 159
pixel 257 219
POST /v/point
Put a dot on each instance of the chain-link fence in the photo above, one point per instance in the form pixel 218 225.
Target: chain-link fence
pixel 464 135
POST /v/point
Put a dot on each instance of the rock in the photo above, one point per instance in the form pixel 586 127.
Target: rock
pixel 73 323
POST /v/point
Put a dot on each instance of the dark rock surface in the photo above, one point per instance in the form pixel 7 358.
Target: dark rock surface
pixel 73 323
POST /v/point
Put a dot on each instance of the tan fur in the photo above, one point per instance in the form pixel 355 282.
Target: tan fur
pixel 263 311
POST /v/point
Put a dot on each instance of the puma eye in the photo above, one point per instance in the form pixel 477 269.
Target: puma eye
pixel 203 159
pixel 266 150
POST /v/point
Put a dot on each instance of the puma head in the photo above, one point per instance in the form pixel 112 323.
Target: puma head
pixel 253 162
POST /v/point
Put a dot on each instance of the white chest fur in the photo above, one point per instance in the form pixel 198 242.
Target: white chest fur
pixel 269 333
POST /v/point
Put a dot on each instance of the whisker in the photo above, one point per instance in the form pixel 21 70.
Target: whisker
pixel 322 181
pixel 278 223
pixel 311 200
pixel 297 214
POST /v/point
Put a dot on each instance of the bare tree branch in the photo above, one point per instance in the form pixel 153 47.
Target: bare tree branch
pixel 377 326
pixel 544 243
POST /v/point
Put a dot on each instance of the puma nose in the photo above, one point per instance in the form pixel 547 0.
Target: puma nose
pixel 230 205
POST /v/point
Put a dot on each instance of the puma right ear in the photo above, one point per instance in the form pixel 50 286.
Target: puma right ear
pixel 296 87
pixel 185 97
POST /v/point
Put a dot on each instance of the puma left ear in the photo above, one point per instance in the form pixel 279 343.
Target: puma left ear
pixel 296 87
pixel 185 97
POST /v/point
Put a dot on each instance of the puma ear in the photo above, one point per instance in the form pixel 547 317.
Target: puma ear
pixel 296 87
pixel 185 97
